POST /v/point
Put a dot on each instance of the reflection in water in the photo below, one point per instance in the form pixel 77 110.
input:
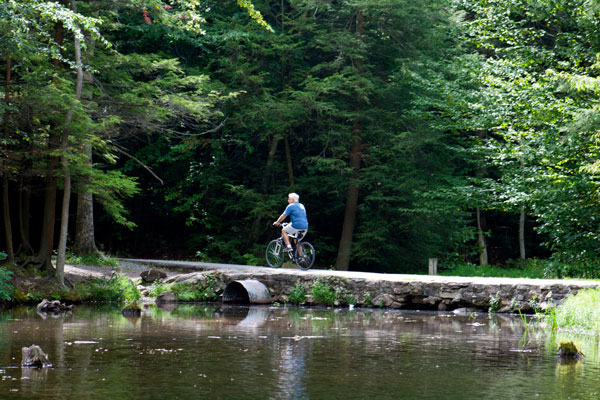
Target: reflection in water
pixel 200 351
pixel 291 370
pixel 256 317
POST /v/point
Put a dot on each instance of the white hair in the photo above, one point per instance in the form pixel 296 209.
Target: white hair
pixel 294 196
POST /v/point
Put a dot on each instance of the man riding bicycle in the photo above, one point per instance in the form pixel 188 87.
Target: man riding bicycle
pixel 297 213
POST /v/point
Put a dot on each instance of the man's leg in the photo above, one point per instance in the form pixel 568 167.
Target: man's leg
pixel 286 237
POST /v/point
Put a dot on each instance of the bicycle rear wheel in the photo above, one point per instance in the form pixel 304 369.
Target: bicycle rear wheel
pixel 274 253
pixel 305 255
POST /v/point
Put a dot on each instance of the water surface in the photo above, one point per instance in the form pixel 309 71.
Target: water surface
pixel 212 351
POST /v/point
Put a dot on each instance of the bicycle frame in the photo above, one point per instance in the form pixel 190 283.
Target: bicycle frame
pixel 275 253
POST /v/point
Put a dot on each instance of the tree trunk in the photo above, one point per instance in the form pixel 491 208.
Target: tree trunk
pixel 85 242
pixel 481 242
pixel 7 223
pixel 345 248
pixel 5 172
pixel 24 216
pixel 255 228
pixel 522 233
pixel 288 159
pixel 270 158
pixel 47 235
pixel 64 222
pixel 64 225
pixel 47 239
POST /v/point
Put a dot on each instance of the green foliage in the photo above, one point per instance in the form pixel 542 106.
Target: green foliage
pixel 453 105
pixel 32 296
pixel 158 288
pixel 331 292
pixel 117 289
pixel 297 294
pixel 494 303
pixel 254 14
pixel 582 268
pixel 6 288
pixel 367 299
pixel 578 312
pixel 305 88
pixel 92 259
pixel 208 291
pixel 205 290
pixel 533 268
pixel 322 292
pixel 251 259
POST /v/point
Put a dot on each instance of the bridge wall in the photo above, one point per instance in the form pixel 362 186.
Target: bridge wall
pixel 412 292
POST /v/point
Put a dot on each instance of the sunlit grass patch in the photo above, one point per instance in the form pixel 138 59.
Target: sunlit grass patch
pixel 204 290
pixel 580 311
pixel 95 259
pixel 534 270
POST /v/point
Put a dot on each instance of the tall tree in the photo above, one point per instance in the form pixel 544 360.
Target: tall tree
pixel 64 221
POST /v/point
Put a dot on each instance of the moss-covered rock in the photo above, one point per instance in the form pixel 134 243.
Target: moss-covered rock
pixel 569 350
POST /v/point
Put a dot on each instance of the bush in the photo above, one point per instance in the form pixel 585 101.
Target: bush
pixel 119 288
pixel 298 294
pixel 251 259
pixel 207 290
pixel 331 292
pixel 583 269
pixel 322 292
pixel 158 288
pixel 6 288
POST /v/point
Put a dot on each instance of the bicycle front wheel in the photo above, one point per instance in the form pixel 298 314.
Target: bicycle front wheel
pixel 274 253
pixel 305 255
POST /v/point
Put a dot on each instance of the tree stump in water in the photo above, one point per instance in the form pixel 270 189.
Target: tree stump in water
pixel 53 307
pixel 34 357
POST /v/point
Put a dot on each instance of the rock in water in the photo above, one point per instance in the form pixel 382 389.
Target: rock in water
pixel 132 310
pixel 152 276
pixel 34 357
pixel 569 350
pixel 166 297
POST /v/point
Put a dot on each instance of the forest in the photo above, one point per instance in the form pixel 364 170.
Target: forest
pixel 463 130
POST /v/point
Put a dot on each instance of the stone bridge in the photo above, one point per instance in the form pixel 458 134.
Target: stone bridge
pixel 425 292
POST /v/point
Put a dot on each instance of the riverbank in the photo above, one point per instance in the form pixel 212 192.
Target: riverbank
pixel 313 287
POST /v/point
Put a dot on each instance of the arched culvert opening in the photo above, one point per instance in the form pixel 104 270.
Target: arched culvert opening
pixel 246 292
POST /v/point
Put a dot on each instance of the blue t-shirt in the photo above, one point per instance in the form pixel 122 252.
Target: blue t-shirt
pixel 297 214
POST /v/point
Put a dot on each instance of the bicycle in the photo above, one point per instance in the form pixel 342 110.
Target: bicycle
pixel 302 254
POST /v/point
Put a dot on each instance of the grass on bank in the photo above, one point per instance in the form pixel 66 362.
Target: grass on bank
pixel 118 289
pixel 204 290
pixel 579 312
pixel 530 268
pixel 95 259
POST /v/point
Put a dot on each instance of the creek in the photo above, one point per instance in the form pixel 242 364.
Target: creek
pixel 230 352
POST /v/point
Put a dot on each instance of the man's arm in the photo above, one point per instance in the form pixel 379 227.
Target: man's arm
pixel 281 218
